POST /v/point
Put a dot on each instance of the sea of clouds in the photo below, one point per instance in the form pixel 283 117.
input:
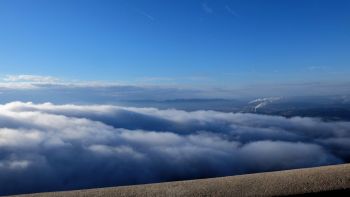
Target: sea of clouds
pixel 45 147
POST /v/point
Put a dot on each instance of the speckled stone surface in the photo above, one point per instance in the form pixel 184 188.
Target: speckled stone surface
pixel 280 183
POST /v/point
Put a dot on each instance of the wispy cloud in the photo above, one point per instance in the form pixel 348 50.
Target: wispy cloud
pixel 156 79
pixel 317 68
pixel 231 11
pixel 30 78
pixel 206 8
pixel 148 16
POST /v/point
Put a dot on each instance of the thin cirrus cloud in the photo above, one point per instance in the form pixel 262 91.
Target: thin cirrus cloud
pixel 65 147
pixel 206 8
pixel 30 78
pixel 231 11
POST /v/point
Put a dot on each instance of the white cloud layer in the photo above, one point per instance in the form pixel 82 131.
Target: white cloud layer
pixel 72 146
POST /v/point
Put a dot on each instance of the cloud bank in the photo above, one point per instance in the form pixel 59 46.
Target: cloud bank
pixel 45 147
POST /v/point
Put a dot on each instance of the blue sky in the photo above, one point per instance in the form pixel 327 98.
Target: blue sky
pixel 219 43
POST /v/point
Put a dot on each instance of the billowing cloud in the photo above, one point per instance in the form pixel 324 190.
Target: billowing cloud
pixel 46 147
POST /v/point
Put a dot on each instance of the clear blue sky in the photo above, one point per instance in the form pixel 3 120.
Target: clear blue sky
pixel 216 42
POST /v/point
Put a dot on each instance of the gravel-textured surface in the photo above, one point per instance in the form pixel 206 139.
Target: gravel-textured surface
pixel 290 182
